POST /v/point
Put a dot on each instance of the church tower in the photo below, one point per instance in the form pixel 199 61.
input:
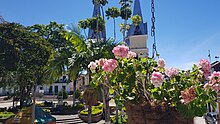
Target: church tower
pixel 92 34
pixel 137 35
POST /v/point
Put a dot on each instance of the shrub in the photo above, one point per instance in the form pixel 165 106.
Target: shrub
pixel 62 94
pixel 96 110
pixel 6 114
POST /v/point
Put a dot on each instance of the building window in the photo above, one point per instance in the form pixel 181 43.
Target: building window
pixel 51 89
pixel 56 89
pixel 41 88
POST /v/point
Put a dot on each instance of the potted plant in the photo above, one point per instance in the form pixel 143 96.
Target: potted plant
pixel 154 94
pixel 97 113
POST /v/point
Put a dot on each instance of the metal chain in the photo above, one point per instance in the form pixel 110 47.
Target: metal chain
pixel 153 29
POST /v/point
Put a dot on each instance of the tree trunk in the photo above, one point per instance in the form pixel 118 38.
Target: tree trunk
pixel 124 31
pixel 89 114
pixel 33 106
pixel 74 92
pixel 106 103
pixel 22 95
pixel 114 30
pixel 103 16
pixel 116 116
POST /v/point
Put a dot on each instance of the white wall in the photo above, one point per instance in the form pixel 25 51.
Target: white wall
pixel 69 86
pixel 60 85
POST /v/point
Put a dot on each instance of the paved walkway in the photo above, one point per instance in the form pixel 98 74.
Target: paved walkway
pixel 71 119
pixel 74 119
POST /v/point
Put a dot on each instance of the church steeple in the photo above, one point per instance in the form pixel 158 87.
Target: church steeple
pixel 92 34
pixel 141 29
pixel 137 9
pixel 137 35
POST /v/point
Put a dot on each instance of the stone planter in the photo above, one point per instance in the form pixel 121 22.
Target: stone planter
pixel 145 114
pixel 95 118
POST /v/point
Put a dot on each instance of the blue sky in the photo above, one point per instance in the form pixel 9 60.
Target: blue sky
pixel 185 29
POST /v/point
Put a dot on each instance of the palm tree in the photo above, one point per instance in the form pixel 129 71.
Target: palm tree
pixel 125 13
pixel 85 53
pixel 113 13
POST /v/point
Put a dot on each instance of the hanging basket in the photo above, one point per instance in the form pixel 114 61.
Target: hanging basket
pixel 90 97
pixel 146 114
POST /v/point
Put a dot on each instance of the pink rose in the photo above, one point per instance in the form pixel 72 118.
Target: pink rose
pixel 120 51
pixel 92 65
pixel 157 79
pixel 215 77
pixel 161 63
pixel 214 87
pixel 205 66
pixel 101 61
pixel 188 95
pixel 214 82
pixel 170 72
pixel 131 54
pixel 110 65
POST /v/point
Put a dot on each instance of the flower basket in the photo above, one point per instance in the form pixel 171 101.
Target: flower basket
pixel 168 95
pixel 146 114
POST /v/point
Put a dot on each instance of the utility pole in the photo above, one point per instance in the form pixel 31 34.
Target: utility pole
pixel 209 56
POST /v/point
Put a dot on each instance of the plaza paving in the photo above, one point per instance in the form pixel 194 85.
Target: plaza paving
pixel 74 119
pixel 71 119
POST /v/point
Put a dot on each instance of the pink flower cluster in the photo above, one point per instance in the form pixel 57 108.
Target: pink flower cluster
pixel 120 51
pixel 214 82
pixel 157 79
pixel 110 65
pixel 92 66
pixel 131 54
pixel 170 72
pixel 101 62
pixel 161 63
pixel 106 65
pixel 205 66
pixel 188 95
pixel 215 77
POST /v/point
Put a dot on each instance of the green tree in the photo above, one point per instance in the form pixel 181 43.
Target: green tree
pixel 31 54
pixel 62 49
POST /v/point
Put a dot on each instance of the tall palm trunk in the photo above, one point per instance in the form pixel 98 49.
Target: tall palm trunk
pixel 103 16
pixel 124 31
pixel 114 30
